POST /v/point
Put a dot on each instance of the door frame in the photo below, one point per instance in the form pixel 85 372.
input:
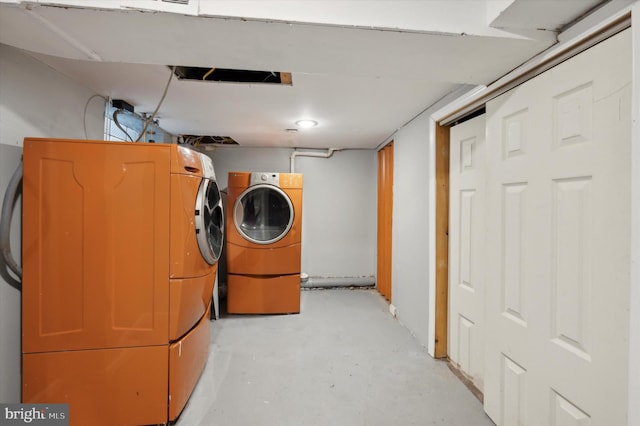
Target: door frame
pixel 441 335
pixel 634 296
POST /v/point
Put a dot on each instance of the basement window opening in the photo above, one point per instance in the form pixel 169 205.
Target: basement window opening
pixel 227 75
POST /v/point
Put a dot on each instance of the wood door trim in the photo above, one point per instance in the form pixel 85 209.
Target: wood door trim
pixel 442 241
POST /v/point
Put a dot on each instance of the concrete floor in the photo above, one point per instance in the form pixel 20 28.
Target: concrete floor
pixel 344 360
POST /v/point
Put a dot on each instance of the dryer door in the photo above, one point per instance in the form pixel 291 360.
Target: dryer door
pixel 263 214
pixel 209 221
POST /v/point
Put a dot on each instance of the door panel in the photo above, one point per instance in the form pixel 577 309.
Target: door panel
pixel 466 236
pixel 557 243
pixel 385 214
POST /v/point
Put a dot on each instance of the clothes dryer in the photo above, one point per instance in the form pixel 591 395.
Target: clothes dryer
pixel 264 237
pixel 120 244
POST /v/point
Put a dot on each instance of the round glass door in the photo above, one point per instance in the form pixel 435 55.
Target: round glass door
pixel 263 214
pixel 209 221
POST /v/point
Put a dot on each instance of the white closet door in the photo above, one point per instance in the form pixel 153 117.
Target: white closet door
pixel 466 252
pixel 558 197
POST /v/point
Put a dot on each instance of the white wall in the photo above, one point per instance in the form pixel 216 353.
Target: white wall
pixel 34 101
pixel 410 262
pixel 242 159
pixel 339 219
pixel 339 205
pixel 413 262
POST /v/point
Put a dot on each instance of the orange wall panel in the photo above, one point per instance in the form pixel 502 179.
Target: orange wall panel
pixel 385 216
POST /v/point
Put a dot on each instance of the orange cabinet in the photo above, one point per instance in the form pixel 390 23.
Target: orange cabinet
pixel 119 264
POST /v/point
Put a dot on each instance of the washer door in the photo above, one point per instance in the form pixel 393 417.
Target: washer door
pixel 263 214
pixel 209 221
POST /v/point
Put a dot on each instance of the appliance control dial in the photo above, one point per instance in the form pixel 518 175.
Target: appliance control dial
pixel 261 178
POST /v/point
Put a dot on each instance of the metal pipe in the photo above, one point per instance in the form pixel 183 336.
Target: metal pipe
pixel 331 282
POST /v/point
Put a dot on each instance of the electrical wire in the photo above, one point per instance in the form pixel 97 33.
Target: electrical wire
pixel 273 74
pixel 151 117
pixel 84 115
pixel 196 141
pixel 204 77
pixel 115 120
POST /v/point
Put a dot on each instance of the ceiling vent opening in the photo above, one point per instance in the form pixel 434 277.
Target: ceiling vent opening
pixel 226 75
pixel 177 1
pixel 197 140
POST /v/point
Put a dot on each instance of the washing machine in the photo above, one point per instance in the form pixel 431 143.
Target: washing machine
pixel 263 242
pixel 120 250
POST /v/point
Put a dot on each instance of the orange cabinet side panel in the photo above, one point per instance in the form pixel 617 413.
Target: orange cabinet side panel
pixel 102 387
pixel 95 245
pixel 263 294
pixel 190 298
pixel 187 358
pixel 186 260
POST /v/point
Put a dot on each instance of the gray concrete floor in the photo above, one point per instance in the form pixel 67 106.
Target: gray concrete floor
pixel 344 360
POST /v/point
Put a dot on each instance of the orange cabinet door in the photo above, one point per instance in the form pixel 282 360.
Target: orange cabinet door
pixel 95 245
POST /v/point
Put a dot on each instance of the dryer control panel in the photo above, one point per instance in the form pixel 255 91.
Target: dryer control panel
pixel 265 178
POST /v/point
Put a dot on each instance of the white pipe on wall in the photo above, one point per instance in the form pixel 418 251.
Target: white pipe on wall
pixel 331 282
pixel 320 154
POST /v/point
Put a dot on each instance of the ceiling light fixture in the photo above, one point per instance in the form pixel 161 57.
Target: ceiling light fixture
pixel 305 124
